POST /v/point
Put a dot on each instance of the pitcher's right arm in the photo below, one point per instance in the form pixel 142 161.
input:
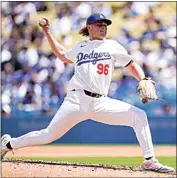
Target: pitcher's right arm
pixel 56 47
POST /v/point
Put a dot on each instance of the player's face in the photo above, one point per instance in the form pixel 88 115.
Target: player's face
pixel 98 30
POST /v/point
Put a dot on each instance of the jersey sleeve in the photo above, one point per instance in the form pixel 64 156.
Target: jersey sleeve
pixel 71 53
pixel 121 55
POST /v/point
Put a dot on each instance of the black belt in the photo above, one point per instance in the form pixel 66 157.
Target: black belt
pixel 96 95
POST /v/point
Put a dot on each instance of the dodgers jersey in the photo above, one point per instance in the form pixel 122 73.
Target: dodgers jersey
pixel 94 64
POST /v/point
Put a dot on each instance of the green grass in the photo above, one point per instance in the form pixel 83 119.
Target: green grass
pixel 127 161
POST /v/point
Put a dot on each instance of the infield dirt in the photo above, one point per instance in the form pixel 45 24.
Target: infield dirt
pixel 17 169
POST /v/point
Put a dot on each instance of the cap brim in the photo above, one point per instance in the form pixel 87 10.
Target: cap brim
pixel 107 21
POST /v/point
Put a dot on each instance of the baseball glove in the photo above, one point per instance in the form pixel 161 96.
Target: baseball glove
pixel 147 90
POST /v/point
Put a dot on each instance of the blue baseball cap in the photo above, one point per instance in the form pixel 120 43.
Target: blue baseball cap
pixel 96 17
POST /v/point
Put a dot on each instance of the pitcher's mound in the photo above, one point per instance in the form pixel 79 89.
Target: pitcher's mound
pixel 52 169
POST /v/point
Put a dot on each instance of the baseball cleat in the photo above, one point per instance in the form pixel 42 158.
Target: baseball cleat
pixel 4 140
pixel 154 165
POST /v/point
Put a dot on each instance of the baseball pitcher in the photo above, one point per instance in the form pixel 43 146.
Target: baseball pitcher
pixel 86 98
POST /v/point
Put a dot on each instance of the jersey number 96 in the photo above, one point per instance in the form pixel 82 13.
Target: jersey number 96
pixel 102 69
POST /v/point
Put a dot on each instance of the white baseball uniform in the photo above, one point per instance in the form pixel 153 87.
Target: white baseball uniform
pixel 94 63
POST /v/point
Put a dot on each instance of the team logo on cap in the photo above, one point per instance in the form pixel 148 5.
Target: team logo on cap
pixel 101 16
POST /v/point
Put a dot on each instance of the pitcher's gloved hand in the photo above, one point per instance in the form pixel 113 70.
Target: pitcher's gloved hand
pixel 147 90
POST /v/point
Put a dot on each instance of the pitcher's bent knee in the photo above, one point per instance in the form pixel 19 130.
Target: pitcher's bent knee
pixel 143 116
pixel 140 116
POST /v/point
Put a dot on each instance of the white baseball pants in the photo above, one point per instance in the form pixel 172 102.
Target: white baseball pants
pixel 78 107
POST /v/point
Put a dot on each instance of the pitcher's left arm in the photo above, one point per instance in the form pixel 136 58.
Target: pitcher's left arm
pixel 135 69
pixel 146 86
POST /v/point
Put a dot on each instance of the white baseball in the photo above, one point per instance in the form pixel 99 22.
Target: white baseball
pixel 42 21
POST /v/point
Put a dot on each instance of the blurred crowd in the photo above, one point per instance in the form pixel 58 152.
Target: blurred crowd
pixel 33 80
